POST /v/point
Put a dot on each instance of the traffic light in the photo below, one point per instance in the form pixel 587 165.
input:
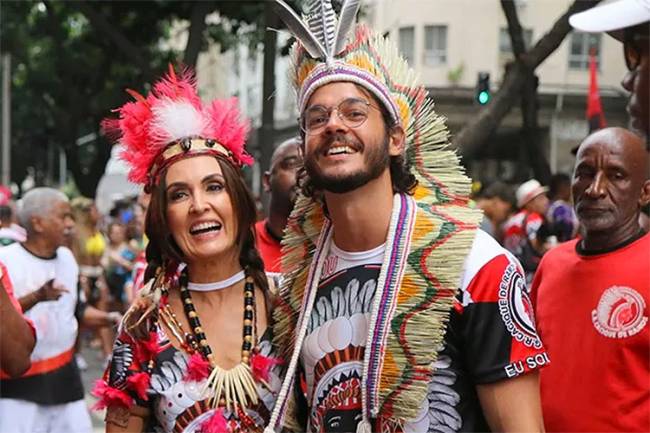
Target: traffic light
pixel 483 88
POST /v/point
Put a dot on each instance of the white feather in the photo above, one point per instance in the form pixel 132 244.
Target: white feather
pixel 173 120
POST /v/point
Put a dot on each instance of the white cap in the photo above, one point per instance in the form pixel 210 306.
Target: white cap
pixel 528 191
pixel 613 16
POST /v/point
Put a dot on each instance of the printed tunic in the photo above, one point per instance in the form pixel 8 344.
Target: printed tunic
pixel 177 403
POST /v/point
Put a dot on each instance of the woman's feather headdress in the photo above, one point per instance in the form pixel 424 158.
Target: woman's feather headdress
pixel 173 123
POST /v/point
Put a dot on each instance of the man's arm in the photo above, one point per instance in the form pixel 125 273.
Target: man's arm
pixel 16 338
pixel 513 405
pixel 49 291
pixel 94 317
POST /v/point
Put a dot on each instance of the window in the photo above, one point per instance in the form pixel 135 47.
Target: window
pixel 407 43
pixel 581 45
pixel 435 45
pixel 505 46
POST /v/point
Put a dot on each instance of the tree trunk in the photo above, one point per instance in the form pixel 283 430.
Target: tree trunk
pixel 471 138
pixel 265 138
pixel 123 44
pixel 195 35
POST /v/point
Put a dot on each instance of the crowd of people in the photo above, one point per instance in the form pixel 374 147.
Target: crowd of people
pixel 378 295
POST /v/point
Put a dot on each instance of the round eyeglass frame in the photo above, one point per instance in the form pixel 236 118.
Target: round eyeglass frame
pixel 337 108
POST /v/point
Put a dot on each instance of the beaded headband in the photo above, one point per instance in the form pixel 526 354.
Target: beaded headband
pixel 172 123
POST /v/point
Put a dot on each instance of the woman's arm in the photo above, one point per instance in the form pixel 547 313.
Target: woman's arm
pixel 123 420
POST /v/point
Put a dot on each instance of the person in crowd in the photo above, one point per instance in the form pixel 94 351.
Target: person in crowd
pixel 524 233
pixel 17 334
pixel 194 351
pixel 140 262
pixel 10 232
pixel 117 261
pixel 389 309
pixel 591 295
pixel 88 248
pixel 560 217
pixel 44 275
pixel 280 182
pixel 497 203
pixel 628 21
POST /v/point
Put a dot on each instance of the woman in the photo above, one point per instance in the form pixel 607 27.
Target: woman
pixel 193 353
pixel 117 262
pixel 88 247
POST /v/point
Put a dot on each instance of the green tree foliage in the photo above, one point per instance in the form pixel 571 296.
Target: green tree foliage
pixel 72 60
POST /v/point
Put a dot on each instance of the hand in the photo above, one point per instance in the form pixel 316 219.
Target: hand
pixel 50 291
pixel 114 317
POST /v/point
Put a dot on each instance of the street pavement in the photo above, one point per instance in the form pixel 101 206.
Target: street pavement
pixel 94 371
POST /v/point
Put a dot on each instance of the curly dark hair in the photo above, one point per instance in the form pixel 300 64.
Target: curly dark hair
pixel 400 174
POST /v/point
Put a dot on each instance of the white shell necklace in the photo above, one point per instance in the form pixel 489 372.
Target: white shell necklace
pixel 216 285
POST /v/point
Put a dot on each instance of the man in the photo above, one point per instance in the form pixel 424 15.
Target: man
pixel 17 337
pixel 396 311
pixel 561 219
pixel 592 295
pixel 523 235
pixel 49 396
pixel 629 22
pixel 280 181
pixel 497 203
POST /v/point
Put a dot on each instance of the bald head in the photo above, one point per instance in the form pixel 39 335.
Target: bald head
pixel 619 141
pixel 288 147
pixel 281 179
pixel 610 184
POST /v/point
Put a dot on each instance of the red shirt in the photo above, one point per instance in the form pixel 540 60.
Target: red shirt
pixel 269 247
pixel 9 288
pixel 592 313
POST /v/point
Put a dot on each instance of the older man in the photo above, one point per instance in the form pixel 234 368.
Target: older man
pixel 49 396
pixel 629 22
pixel 591 295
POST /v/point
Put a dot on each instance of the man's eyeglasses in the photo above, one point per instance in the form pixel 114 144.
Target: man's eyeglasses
pixel 635 42
pixel 352 112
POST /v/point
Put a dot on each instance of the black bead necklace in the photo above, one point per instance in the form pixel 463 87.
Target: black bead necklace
pixel 197 329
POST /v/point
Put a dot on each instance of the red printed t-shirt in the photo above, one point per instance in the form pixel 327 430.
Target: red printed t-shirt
pixel 269 248
pixel 491 337
pixel 592 313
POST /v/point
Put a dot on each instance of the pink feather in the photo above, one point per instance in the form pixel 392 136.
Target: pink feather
pixel 109 396
pixel 197 369
pixel 146 350
pixel 261 366
pixel 215 424
pixel 139 382
pixel 144 137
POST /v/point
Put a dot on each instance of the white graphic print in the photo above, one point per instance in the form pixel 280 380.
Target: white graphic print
pixel 443 399
pixel 516 309
pixel 620 313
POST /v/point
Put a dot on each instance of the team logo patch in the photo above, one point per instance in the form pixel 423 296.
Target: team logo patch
pixel 619 313
pixel 516 309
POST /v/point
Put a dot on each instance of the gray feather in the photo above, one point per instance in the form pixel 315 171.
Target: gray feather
pixel 298 28
pixel 322 23
pixel 346 21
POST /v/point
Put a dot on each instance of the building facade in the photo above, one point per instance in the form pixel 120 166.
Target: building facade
pixel 450 42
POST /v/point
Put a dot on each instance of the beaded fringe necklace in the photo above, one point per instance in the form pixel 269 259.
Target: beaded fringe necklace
pixel 235 387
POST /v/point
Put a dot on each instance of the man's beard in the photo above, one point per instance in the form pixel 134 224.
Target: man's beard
pixel 376 159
